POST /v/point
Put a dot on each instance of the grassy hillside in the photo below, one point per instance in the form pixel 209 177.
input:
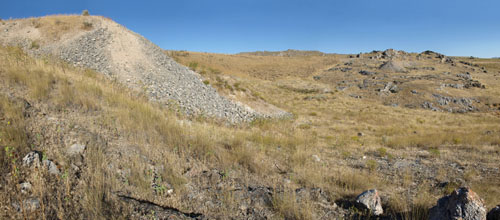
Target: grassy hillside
pixel 346 129
pixel 138 151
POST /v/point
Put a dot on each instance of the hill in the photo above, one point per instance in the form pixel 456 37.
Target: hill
pixel 286 53
pixel 107 47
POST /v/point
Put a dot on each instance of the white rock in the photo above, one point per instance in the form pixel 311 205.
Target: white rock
pixel 31 159
pixel 76 149
pixel 25 187
pixel 370 200
pixel 51 167
pixel 316 158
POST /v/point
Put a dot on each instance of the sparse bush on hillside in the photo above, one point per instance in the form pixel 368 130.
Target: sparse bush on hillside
pixel 85 12
pixel 36 23
pixel 371 165
pixel 34 45
pixel 87 25
pixel 214 71
pixel 193 66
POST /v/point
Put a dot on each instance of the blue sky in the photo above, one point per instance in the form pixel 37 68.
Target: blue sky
pixel 452 27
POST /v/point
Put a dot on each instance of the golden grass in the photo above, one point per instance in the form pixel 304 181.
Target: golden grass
pixel 266 151
pixel 12 135
pixel 263 67
pixel 335 120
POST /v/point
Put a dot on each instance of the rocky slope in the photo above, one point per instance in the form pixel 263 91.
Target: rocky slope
pixel 121 54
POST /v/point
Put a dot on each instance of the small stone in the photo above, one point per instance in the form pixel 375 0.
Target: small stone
pixel 51 167
pixel 370 200
pixel 32 158
pixel 360 134
pixel 76 149
pixel 25 187
pixel 31 204
pixel 316 158
pixel 75 168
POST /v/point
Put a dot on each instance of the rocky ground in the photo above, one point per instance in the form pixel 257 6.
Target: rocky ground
pixel 427 80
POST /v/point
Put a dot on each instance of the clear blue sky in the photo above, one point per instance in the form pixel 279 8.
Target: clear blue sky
pixel 452 27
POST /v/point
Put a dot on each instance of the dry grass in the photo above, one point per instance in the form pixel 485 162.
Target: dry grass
pixel 266 151
pixel 263 67
pixel 12 135
pixel 286 205
pixel 334 119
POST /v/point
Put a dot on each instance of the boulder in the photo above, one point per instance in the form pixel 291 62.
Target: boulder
pixel 370 201
pixel 494 214
pixel 393 66
pixel 461 204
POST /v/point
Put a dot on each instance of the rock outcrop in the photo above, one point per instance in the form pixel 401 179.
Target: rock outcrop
pixel 461 204
pixel 393 66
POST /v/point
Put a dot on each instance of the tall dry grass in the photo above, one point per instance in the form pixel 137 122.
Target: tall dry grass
pixel 265 150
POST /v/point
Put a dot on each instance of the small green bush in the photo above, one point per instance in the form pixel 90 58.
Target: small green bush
pixel 193 66
pixel 434 152
pixel 382 152
pixel 85 12
pixel 87 25
pixel 371 165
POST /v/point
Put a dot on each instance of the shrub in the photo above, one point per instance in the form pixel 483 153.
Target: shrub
pixel 206 82
pixel 193 65
pixel 304 126
pixel 87 25
pixel 434 152
pixel 34 45
pixel 36 23
pixel 382 152
pixel 85 12
pixel 371 165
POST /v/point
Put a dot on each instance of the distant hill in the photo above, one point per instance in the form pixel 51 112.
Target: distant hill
pixel 286 53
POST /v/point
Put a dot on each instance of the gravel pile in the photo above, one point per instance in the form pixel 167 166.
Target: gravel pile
pixel 121 54
pixel 88 51
pixel 170 80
